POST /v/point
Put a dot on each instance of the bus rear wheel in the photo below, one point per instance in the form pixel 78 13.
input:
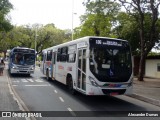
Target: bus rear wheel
pixel 70 86
pixel 47 75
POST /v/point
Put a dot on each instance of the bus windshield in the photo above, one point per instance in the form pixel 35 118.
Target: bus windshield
pixel 23 59
pixel 111 64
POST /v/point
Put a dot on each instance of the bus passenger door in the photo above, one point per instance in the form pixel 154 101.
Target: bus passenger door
pixel 53 65
pixel 44 64
pixel 81 81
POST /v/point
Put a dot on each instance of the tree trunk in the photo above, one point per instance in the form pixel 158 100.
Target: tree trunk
pixel 4 53
pixel 141 68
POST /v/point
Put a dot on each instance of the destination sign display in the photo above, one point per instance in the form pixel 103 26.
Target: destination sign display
pixel 107 42
pixel 24 50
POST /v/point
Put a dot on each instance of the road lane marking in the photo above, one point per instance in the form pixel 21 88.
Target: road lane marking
pixel 30 80
pixel 61 99
pixel 36 85
pixel 71 111
pixel 24 80
pixel 16 81
pixel 16 97
pixel 38 80
pixel 14 85
pixel 55 91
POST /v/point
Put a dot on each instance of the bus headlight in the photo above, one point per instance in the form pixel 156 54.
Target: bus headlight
pixel 14 67
pixel 93 82
pixel 32 68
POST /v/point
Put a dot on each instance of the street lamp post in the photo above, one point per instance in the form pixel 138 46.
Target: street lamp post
pixel 72 16
pixel 35 39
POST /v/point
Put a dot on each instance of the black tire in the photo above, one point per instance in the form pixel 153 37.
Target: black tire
pixel 70 86
pixel 47 75
pixel 11 74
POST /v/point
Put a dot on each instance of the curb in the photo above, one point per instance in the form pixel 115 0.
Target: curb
pixel 145 99
pixel 19 101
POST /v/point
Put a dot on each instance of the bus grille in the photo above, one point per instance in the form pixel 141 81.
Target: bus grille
pixel 23 66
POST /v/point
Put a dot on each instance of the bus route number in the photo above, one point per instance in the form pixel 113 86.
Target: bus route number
pixel 99 42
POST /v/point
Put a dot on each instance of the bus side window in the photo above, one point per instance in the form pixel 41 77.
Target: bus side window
pixel 58 54
pixel 71 57
pixel 49 55
pixel 64 51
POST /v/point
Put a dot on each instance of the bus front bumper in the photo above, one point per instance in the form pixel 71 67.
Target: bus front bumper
pixel 17 71
pixel 92 90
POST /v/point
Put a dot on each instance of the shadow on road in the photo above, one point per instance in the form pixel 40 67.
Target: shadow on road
pixel 99 103
pixel 19 75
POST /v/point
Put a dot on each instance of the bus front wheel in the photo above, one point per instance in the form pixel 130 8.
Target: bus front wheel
pixel 70 85
pixel 47 75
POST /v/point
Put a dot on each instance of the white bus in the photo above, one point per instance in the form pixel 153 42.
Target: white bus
pixel 91 65
pixel 21 61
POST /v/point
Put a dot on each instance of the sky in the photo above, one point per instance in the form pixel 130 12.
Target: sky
pixel 44 12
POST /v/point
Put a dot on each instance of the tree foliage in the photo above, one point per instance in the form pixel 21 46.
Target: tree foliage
pixel 5 7
pixel 146 14
pixel 99 18
pixel 26 36
pixel 5 25
pixel 127 29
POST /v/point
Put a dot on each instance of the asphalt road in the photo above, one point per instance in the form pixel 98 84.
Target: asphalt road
pixel 38 94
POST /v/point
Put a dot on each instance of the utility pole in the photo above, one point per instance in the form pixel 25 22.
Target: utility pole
pixel 35 43
pixel 72 16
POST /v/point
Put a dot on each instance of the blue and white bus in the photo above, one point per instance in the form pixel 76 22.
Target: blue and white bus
pixel 21 61
pixel 91 65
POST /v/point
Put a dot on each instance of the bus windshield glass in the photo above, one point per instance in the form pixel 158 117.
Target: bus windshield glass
pixel 110 61
pixel 23 59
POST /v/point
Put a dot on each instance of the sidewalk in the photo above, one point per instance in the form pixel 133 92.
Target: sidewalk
pixel 8 103
pixel 147 90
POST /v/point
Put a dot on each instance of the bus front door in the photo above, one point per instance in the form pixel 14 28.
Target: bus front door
pixel 53 65
pixel 81 81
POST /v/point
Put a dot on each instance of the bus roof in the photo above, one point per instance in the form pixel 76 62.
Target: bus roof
pixel 20 48
pixel 81 40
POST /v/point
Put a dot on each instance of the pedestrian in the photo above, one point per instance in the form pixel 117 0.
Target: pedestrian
pixel 2 65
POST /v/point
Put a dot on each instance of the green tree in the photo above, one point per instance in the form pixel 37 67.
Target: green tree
pixel 20 36
pixel 127 29
pixel 5 25
pixel 5 7
pixel 49 35
pixel 148 27
pixel 26 36
pixel 99 18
